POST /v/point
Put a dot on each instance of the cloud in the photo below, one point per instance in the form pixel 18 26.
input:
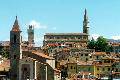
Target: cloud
pixel 115 37
pixel 94 36
pixel 37 25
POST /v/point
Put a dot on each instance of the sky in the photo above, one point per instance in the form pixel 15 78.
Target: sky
pixel 60 16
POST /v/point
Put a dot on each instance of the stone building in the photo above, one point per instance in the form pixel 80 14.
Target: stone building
pixel 77 40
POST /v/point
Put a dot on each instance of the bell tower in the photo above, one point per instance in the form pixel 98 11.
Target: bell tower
pixel 15 50
pixel 85 23
pixel 31 35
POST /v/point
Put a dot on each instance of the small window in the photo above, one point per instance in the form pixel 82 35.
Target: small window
pixel 84 37
pixel 74 67
pixel 77 54
pixel 68 59
pixel 65 37
pixel 90 56
pixel 86 59
pixel 112 61
pixel 50 37
pixel 106 61
pixel 14 56
pixel 81 54
pixel 89 69
pixel 32 40
pixel 97 57
pixel 113 69
pixel 70 45
pixel 103 69
pixel 58 37
pixel 108 69
pixel 86 54
pixel 25 69
pixel 78 37
pixel 98 69
pixel 71 67
pixel 116 70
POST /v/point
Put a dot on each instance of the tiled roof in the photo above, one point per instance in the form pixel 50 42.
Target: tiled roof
pixel 5 65
pixel 42 55
pixel 56 70
pixel 63 62
pixel 66 34
pixel 108 58
pixel 115 44
pixel 85 63
pixel 96 63
pixel 53 44
pixel 109 65
pixel 99 53
pixel 4 43
pixel 115 72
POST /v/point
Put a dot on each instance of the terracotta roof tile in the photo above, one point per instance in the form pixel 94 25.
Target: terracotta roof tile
pixel 41 54
pixel 99 53
pixel 66 34
pixel 5 65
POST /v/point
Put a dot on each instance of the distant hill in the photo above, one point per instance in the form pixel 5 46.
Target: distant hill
pixel 112 40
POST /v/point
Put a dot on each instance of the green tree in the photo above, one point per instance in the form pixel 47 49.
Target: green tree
pixel 91 44
pixel 100 44
pixel 109 48
pixel 5 53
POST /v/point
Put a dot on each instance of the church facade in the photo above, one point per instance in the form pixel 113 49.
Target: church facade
pixel 28 64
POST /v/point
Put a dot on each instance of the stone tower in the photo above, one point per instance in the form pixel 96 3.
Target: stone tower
pixel 31 35
pixel 85 23
pixel 15 50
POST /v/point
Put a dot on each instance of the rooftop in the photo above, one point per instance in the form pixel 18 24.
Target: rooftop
pixel 66 34
pixel 42 54
pixel 5 65
pixel 4 43
pixel 99 53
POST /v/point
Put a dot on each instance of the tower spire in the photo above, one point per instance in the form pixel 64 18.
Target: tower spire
pixel 16 25
pixel 85 22
pixel 85 15
pixel 16 16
